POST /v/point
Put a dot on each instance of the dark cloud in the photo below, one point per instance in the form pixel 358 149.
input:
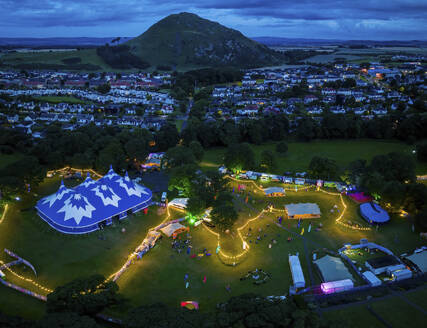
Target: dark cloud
pixel 354 19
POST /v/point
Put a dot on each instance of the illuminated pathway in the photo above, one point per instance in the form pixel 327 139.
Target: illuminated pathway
pixel 224 257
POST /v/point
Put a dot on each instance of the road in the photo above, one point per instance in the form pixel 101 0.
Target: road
pixel 187 114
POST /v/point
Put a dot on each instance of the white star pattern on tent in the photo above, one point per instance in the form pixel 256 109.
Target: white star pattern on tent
pixel 56 196
pixel 131 188
pixel 111 175
pixel 87 183
pixel 107 195
pixel 76 207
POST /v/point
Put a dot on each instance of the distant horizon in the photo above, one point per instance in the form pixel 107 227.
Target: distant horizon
pixel 400 20
pixel 251 37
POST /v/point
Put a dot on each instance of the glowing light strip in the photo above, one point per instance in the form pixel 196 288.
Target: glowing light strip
pixel 4 213
pixel 27 279
pixel 76 170
pixel 116 275
pixel 340 217
pixel 262 189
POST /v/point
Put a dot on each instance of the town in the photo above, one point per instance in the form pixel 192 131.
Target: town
pixel 143 101
pixel 192 176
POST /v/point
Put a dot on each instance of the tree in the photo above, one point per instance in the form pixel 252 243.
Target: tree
pixel 239 157
pixel 416 197
pixel 7 321
pixel 67 320
pixel 137 148
pixel 323 168
pixel 422 151
pixel 393 192
pixel 84 296
pixel 224 215
pixel 104 88
pixel 356 170
pixel 197 150
pixel 306 129
pixel 178 156
pixel 421 218
pixel 161 316
pixel 282 148
pixel 181 178
pixel 196 205
pixel 167 136
pixel 253 311
pixel 26 170
pixel 112 154
pixel 268 161
pixel 394 167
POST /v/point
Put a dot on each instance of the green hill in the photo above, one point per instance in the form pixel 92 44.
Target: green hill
pixel 181 41
pixel 188 40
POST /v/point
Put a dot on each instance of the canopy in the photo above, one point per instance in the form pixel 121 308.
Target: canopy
pixel 173 228
pixel 420 260
pixel 93 201
pixel 296 270
pixel 373 213
pixel 179 202
pixel 332 268
pixel 302 209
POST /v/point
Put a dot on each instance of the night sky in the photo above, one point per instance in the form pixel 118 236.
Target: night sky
pixel 326 19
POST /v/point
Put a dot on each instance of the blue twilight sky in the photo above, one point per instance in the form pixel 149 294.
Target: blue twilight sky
pixel 327 19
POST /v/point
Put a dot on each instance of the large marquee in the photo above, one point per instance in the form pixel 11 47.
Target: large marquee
pixel 93 203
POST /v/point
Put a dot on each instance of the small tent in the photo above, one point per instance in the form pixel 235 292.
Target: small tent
pixel 174 229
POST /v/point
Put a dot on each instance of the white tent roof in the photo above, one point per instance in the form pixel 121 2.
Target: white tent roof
pixel 302 208
pixel 373 279
pixel 420 260
pixel 332 268
pixel 179 202
pixel 171 228
pixel 296 270
pixel 273 190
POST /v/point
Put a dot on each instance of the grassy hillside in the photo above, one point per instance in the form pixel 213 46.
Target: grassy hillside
pixel 90 61
pixel 300 153
pixel 186 39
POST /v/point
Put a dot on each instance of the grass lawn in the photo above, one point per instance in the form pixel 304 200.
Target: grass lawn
pixel 8 159
pixel 394 310
pixel 62 99
pixel 159 276
pixel 300 154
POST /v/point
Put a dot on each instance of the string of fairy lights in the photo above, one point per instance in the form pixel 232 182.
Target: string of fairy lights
pixel 69 168
pixel 235 257
pixel 6 206
pixel 4 266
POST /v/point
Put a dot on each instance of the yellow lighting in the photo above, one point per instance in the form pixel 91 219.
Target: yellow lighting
pixel 4 213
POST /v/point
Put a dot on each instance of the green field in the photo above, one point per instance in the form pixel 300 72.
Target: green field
pixel 62 99
pixel 88 56
pixel 159 276
pixel 364 55
pixel 300 154
pixel 393 309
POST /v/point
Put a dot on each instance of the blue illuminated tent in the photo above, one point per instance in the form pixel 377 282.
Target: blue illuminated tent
pixel 94 202
pixel 373 213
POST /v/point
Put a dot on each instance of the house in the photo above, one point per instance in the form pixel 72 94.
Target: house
pixel 13 119
pixel 309 99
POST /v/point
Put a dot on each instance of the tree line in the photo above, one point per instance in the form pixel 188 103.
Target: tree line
pixel 77 303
